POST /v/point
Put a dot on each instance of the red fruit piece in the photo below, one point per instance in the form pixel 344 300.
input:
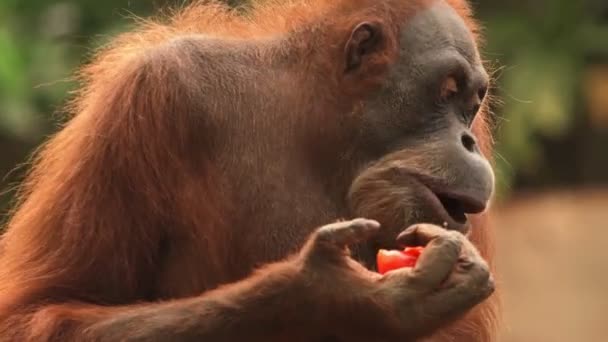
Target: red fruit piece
pixel 392 260
pixel 413 251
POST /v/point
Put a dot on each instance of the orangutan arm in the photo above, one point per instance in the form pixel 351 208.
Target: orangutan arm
pixel 254 308
pixel 321 292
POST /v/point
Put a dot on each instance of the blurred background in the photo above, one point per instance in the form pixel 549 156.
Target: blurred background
pixel 550 62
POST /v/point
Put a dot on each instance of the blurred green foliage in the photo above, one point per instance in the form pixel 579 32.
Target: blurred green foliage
pixel 540 50
pixel 41 44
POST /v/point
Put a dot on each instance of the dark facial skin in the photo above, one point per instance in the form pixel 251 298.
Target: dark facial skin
pixel 420 122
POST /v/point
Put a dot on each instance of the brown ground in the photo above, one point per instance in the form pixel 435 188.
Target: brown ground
pixel 553 265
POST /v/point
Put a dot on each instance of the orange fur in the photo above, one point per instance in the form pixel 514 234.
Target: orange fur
pixel 100 192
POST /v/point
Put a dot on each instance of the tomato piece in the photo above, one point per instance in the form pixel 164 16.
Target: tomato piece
pixel 413 251
pixel 392 260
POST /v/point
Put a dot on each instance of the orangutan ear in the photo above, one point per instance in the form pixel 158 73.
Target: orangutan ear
pixel 366 39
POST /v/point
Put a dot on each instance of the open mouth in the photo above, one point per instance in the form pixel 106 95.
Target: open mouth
pixel 458 205
pixel 454 208
pixel 452 204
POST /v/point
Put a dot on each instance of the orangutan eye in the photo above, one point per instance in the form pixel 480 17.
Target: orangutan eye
pixel 449 89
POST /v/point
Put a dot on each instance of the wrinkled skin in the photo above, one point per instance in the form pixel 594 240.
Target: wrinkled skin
pixel 449 278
